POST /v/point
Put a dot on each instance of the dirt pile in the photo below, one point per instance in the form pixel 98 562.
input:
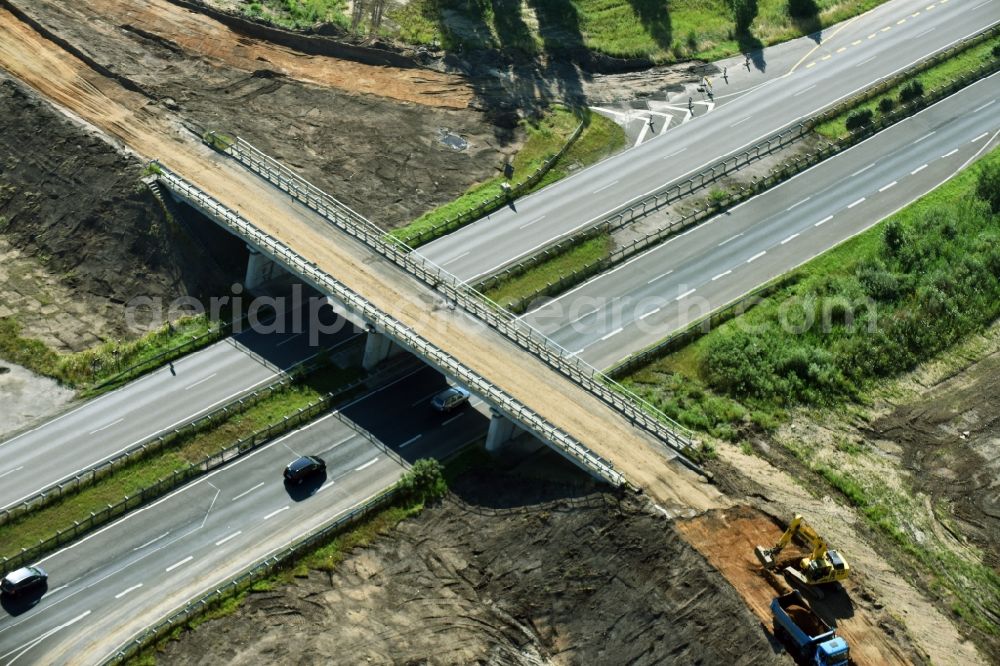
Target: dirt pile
pixel 382 157
pixel 509 571
pixel 950 443
pixel 727 539
pixel 77 219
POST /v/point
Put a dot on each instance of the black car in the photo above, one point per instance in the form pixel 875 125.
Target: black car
pixel 22 579
pixel 299 470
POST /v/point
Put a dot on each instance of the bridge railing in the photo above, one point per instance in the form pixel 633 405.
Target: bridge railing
pixel 386 324
pixel 637 410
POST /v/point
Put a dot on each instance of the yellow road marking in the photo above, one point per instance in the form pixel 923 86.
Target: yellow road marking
pixel 914 14
pixel 929 7
pixel 813 49
pixel 900 21
pixel 871 36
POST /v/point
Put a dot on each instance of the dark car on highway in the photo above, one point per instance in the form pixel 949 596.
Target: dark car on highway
pixel 302 468
pixel 22 579
pixel 450 399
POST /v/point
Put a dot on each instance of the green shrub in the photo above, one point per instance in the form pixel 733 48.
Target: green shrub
pixel 424 481
pixel 988 186
pixel 911 91
pixel 886 105
pixel 858 119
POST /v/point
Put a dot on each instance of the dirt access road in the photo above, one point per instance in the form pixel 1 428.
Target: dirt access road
pixel 150 131
pixel 508 570
pixel 208 77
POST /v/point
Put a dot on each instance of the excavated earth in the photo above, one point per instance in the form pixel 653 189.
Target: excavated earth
pixel 507 570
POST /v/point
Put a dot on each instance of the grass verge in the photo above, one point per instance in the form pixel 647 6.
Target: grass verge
pixel 105 361
pixel 659 31
pixel 545 138
pixel 870 309
pixel 955 67
pixel 40 525
pixel 515 288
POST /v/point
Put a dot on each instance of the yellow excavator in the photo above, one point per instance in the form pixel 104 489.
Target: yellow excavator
pixel 824 565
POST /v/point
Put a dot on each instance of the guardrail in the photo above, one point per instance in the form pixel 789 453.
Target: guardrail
pixel 634 210
pixel 381 321
pixel 638 411
pixel 248 577
pixel 156 442
pixel 152 492
pixel 489 205
pixel 673 226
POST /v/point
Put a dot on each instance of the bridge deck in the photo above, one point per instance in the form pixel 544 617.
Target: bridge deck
pixel 150 132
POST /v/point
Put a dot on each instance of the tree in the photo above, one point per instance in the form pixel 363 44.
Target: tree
pixel 858 119
pixel 744 12
pixel 988 185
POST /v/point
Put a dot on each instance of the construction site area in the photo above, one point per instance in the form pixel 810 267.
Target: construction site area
pixel 526 559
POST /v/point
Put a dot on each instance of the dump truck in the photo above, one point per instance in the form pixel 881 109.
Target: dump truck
pixel 809 638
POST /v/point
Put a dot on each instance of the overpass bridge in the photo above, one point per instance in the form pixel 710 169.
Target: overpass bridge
pixel 581 414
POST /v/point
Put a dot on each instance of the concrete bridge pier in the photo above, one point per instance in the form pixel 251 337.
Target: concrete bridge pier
pixel 260 269
pixel 501 431
pixel 378 347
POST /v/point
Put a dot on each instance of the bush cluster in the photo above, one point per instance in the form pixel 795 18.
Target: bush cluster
pixel 931 279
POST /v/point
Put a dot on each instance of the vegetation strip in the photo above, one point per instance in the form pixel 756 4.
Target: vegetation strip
pixel 551 145
pixel 911 88
pixel 652 32
pixel 871 308
pixel 149 478
pixel 424 482
pixel 111 363
pixel 554 270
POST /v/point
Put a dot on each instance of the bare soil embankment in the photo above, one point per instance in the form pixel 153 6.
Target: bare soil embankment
pixel 80 236
pixel 507 571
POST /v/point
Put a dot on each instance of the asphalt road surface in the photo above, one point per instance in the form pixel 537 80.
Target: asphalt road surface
pixel 668 287
pixel 107 587
pixel 852 56
pixel 177 394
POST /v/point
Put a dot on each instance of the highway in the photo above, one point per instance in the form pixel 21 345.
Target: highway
pixel 98 429
pixel 852 56
pixel 668 287
pixel 107 587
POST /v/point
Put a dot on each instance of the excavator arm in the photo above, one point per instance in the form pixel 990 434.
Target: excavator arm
pixel 767 555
